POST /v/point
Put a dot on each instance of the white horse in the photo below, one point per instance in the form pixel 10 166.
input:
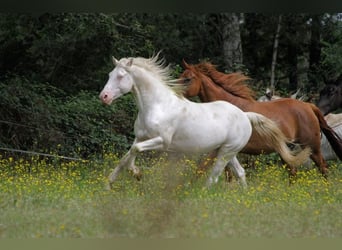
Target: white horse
pixel 269 96
pixel 167 121
pixel 335 122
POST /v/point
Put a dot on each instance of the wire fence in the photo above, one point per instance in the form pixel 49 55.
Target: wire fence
pixel 40 154
pixel 31 152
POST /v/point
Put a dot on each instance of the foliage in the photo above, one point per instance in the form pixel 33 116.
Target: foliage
pixel 66 50
pixel 67 199
pixel 332 54
pixel 42 118
pixel 26 107
pixel 53 65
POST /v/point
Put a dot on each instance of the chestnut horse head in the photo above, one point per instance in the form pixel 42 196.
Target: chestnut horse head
pixel 193 79
pixel 203 82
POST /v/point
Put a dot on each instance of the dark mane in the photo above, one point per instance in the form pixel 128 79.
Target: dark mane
pixel 234 83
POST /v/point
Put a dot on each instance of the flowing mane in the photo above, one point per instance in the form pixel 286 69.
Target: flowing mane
pixel 234 83
pixel 156 66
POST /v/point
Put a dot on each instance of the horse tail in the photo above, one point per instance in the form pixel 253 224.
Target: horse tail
pixel 274 137
pixel 332 137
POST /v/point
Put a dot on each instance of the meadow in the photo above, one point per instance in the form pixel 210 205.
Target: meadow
pixel 49 198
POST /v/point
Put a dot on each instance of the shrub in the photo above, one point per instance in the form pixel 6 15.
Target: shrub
pixel 39 117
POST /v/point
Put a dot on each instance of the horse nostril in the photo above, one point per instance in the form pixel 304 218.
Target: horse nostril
pixel 105 96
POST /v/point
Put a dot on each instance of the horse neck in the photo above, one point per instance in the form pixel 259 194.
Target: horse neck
pixel 212 92
pixel 209 91
pixel 150 91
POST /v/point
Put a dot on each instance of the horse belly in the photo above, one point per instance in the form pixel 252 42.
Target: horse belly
pixel 195 142
pixel 256 146
pixel 203 135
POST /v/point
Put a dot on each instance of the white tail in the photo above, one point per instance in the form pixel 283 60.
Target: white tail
pixel 272 135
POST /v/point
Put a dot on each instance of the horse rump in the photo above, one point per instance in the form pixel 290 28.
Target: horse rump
pixel 333 138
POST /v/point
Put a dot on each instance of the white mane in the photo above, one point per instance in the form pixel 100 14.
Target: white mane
pixel 156 66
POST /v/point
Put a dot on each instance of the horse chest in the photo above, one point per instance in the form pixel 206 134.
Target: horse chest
pixel 152 124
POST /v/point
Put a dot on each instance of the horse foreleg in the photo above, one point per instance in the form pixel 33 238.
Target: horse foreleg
pixel 156 143
pixel 127 160
pixel 151 144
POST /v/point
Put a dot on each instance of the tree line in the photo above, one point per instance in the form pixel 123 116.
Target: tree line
pixel 53 65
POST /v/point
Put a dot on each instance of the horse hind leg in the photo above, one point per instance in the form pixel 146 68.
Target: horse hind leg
pixel 238 170
pixel 206 163
pixel 320 163
pixel 220 164
pixel 292 171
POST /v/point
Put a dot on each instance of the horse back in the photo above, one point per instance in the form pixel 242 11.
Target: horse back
pixel 292 116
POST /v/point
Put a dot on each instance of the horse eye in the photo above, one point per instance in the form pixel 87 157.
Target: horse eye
pixel 121 74
pixel 187 80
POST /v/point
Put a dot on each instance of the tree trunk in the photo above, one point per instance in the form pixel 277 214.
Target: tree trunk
pixel 314 49
pixel 232 49
pixel 292 53
pixel 274 56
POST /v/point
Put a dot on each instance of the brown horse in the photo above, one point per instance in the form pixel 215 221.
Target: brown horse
pixel 301 122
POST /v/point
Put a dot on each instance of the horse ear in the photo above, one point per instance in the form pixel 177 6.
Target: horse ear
pixel 185 64
pixel 128 65
pixel 115 62
pixel 130 62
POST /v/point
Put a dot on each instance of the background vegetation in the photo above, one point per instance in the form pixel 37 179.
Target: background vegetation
pixel 52 67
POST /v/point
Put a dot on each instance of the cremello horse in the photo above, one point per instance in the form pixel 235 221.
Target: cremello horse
pixel 335 122
pixel 169 122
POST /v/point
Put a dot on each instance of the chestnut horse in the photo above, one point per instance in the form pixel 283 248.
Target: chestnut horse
pixel 301 122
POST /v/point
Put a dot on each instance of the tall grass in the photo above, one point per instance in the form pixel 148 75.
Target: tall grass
pixel 68 199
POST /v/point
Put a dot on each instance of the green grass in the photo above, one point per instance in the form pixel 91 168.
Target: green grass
pixel 40 199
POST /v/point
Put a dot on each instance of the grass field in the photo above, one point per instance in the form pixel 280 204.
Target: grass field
pixel 40 199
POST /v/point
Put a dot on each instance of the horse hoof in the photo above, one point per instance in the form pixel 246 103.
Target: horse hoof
pixel 137 176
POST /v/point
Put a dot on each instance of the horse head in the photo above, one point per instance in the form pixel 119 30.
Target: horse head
pixel 191 79
pixel 330 98
pixel 120 82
